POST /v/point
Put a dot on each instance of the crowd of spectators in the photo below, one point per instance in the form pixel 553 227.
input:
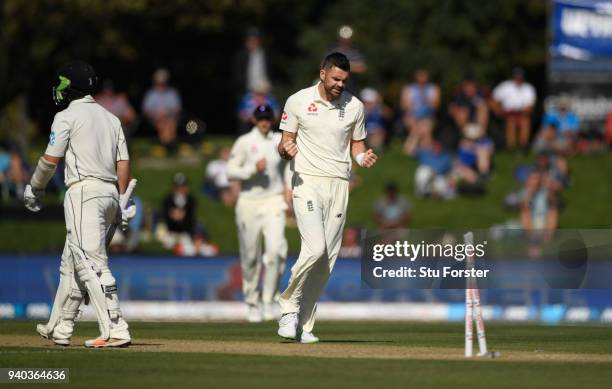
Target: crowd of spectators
pixel 451 138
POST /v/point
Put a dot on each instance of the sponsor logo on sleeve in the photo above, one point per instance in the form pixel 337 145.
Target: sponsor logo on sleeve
pixel 52 138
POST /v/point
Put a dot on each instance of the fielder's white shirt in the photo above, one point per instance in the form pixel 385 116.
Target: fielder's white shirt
pixel 247 150
pixel 324 131
pixel 513 96
pixel 91 140
pixel 216 171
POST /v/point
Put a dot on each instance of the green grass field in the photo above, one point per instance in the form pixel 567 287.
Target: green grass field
pixel 587 200
pixel 351 355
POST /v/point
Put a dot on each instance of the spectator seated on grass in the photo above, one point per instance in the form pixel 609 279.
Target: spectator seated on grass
pixel 198 246
pixel 12 173
pixel 553 165
pixel 376 115
pixel 474 158
pixel 563 118
pixel 119 105
pixel 539 209
pixel 468 107
pixel 545 163
pixel 419 103
pixel 392 210
pixel 568 127
pixel 556 147
pixel 433 175
pixel 513 100
pixel 216 182
pixel 162 107
pixel 259 96
pixel 178 214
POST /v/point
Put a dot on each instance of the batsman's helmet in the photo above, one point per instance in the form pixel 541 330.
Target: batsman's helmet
pixel 73 81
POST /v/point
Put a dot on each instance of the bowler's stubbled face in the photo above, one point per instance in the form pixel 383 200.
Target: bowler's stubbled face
pixel 334 80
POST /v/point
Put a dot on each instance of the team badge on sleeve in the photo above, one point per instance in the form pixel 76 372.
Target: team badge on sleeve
pixel 284 116
pixel 52 138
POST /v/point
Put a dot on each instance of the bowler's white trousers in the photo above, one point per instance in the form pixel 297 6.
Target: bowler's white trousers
pixel 261 222
pixel 320 209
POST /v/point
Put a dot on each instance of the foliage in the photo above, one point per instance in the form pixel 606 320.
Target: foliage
pixel 197 40
pixel 452 38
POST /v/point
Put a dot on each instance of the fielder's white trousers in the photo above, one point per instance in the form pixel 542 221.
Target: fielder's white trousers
pixel 320 209
pixel 261 222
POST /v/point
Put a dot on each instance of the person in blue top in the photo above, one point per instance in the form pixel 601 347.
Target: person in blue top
pixel 419 103
pixel 258 97
pixel 561 117
pixel 474 157
pixel 376 116
pixel 433 175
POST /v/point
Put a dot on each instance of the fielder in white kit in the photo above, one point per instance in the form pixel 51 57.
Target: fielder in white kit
pixel 323 126
pixel 260 213
pixel 92 143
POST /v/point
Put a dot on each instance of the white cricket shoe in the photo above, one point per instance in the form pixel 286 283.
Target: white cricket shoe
pixel 287 325
pixel 111 342
pixel 268 312
pixel 308 337
pixel 44 332
pixel 119 337
pixel 254 314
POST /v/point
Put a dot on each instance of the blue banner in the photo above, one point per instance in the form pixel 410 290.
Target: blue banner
pixel 582 30
pixel 34 278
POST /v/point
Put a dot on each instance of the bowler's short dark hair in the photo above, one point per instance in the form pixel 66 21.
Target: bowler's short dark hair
pixel 336 59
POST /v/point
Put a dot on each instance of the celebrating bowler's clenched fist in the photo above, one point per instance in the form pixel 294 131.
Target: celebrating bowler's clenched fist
pixel 288 149
pixel 369 159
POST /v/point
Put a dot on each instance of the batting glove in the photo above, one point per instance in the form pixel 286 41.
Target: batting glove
pixel 32 198
pixel 127 214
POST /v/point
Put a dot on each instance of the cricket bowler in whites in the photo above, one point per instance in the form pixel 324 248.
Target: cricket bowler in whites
pixel 322 127
pixel 92 143
pixel 260 213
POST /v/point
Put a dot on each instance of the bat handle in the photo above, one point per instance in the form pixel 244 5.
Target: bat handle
pixel 128 193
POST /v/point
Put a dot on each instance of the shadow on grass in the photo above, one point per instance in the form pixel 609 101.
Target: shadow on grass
pixel 146 344
pixel 342 341
pixel 355 341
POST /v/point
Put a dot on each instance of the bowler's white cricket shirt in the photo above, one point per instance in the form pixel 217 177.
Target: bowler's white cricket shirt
pixel 324 131
pixel 91 140
pixel 247 150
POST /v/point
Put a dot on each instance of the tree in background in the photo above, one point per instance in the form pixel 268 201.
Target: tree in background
pixel 196 40
pixel 451 38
